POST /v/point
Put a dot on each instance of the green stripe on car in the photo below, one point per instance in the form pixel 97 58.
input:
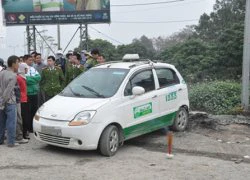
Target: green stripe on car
pixel 149 126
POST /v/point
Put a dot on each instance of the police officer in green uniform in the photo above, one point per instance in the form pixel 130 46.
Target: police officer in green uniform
pixel 68 58
pixel 74 69
pixel 52 79
pixel 79 67
pixel 91 59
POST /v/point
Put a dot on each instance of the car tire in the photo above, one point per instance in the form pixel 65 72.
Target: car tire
pixel 181 120
pixel 109 142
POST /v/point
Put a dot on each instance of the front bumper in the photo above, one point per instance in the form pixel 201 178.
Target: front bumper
pixel 58 133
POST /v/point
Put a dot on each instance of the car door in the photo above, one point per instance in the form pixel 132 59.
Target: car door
pixel 168 91
pixel 140 111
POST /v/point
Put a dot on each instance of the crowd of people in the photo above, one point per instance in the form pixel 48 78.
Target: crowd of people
pixel 28 81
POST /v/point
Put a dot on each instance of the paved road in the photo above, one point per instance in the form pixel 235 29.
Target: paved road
pixel 198 155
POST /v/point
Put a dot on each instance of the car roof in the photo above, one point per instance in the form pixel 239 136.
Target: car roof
pixel 134 64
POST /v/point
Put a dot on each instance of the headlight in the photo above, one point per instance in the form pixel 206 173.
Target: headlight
pixel 37 115
pixel 82 118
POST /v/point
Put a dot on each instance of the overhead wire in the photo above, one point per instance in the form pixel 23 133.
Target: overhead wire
pixel 107 36
pixel 154 22
pixel 161 7
pixel 143 22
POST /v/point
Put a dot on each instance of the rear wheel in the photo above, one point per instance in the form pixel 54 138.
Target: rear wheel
pixel 181 120
pixel 109 142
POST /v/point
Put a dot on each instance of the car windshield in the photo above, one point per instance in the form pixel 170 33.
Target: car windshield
pixel 96 83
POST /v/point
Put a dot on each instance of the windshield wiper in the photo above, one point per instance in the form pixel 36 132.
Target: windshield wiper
pixel 93 91
pixel 74 93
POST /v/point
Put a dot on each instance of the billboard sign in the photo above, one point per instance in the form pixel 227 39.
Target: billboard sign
pixel 35 12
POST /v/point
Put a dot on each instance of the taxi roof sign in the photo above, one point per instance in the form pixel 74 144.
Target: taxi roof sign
pixel 131 57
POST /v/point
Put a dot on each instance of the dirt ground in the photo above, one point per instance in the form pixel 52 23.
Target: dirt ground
pixel 209 149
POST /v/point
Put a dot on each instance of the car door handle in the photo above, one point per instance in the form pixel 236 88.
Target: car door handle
pixel 155 96
pixel 180 89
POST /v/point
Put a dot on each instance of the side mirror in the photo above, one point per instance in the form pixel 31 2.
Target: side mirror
pixel 137 90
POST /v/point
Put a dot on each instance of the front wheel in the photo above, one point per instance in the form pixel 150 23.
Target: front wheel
pixel 109 142
pixel 181 120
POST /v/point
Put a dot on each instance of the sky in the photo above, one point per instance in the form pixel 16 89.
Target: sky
pixel 118 33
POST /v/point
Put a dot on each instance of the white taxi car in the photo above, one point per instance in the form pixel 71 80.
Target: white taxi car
pixel 114 102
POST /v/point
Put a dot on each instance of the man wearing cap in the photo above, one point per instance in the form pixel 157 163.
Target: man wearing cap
pixel 91 59
pixel 52 80
pixel 60 61
pixel 84 59
pixel 70 51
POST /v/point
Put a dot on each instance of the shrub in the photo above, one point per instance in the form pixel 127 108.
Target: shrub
pixel 218 97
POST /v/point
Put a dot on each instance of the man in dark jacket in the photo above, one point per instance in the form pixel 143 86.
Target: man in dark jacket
pixel 39 66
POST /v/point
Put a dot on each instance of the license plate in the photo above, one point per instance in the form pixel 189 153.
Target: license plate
pixel 51 130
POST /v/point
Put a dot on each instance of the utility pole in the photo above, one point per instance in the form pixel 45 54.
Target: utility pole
pixel 58 37
pixel 87 38
pixel 34 36
pixel 246 60
pixel 83 36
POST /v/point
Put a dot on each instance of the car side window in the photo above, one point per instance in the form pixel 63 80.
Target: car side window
pixel 167 77
pixel 143 79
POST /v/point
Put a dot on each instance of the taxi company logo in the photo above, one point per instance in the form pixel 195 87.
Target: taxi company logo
pixel 21 17
pixel 143 110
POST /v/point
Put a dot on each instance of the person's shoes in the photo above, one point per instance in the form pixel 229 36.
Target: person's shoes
pixel 13 145
pixel 26 137
pixel 22 141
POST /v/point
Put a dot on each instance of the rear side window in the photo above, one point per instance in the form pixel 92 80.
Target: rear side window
pixel 144 79
pixel 167 77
